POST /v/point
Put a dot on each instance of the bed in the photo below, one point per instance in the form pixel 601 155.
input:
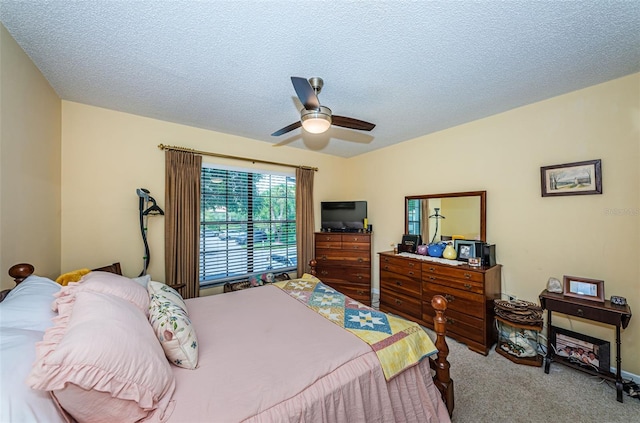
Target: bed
pixel 263 355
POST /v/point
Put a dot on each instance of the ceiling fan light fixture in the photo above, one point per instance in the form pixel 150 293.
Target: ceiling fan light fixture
pixel 316 121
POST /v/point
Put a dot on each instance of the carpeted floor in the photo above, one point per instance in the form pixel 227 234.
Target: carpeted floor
pixel 494 389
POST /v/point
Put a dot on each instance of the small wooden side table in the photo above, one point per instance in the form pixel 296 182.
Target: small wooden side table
pixel 615 315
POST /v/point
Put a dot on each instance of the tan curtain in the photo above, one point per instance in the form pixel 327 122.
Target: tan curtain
pixel 304 218
pixel 182 221
pixel 424 221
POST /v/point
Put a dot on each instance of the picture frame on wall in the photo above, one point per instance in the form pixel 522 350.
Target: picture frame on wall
pixel 583 288
pixel 578 178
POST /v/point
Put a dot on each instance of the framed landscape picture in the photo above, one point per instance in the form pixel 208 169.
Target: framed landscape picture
pixel 579 178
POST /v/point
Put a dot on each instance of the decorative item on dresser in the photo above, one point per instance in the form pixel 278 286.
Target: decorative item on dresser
pixel 407 282
pixel 344 262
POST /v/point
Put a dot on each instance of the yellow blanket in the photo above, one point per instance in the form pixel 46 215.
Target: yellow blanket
pixel 399 343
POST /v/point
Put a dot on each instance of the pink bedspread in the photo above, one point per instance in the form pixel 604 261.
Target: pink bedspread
pixel 265 357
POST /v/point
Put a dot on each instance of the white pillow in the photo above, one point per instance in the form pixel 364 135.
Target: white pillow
pixel 142 280
pixel 28 305
pixel 18 402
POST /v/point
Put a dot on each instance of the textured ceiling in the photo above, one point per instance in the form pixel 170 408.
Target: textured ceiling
pixel 412 68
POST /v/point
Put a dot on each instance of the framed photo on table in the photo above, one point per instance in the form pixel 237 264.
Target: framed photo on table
pixel 583 288
pixel 466 249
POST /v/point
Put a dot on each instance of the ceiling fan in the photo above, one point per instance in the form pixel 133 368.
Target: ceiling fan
pixel 315 118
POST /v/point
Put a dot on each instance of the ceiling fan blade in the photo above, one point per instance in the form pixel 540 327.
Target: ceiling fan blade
pixel 287 128
pixel 351 123
pixel 305 93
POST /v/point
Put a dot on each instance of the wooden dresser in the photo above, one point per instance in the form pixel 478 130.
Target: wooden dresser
pixel 407 285
pixel 344 263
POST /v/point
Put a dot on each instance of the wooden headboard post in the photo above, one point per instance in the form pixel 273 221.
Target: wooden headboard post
pixel 21 271
pixel 313 263
pixel 18 272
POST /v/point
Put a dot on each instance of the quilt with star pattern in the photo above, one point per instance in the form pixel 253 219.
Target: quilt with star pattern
pixel 398 343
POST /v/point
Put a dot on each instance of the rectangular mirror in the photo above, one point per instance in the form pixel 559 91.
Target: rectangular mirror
pixel 446 216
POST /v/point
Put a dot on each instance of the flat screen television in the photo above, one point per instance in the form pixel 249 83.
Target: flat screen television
pixel 343 216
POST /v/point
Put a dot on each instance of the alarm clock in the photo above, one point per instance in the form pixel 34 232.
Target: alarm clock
pixel 618 300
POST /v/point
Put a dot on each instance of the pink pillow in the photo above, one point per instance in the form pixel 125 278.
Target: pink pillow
pixel 102 360
pixel 110 283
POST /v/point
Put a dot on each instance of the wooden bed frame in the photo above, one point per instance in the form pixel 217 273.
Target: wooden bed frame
pixel 440 365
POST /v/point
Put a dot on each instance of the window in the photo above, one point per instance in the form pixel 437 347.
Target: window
pixel 247 224
pixel 414 216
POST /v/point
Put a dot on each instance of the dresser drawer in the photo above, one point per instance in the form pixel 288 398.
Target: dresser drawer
pixel 356 246
pixel 329 244
pixel 462 301
pixel 584 311
pixel 465 285
pixel 398 262
pixel 362 239
pixel 458 323
pixel 352 274
pixel 402 269
pixel 343 257
pixel 464 274
pixel 400 283
pixel 327 237
pixel 391 300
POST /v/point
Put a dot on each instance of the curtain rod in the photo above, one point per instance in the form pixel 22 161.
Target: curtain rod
pixel 225 156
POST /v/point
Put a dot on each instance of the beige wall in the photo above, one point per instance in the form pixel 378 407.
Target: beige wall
pixel 594 236
pixel 107 155
pixel 536 237
pixel 29 165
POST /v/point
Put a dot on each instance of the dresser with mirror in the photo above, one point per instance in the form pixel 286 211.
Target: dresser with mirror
pixel 409 281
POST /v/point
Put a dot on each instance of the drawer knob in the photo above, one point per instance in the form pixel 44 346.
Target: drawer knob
pixel 398 302
pixel 466 285
pixel 324 272
pixel 410 273
pixel 451 321
pixel 399 283
pixel 323 257
pixel 579 312
pixel 411 264
pixel 359 276
pixel 450 298
pixel 467 276
pixel 360 259
pixel 432 269
pixel 433 278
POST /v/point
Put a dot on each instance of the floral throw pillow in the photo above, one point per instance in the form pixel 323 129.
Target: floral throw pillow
pixel 162 292
pixel 169 318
